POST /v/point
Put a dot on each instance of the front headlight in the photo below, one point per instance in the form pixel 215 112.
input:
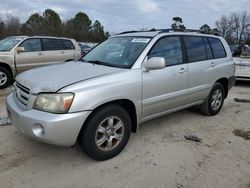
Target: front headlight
pixel 58 103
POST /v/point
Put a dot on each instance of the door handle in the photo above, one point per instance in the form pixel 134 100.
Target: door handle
pixel 62 52
pixel 213 64
pixel 40 53
pixel 182 70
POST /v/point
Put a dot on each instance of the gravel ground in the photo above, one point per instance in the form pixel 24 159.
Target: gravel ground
pixel 157 156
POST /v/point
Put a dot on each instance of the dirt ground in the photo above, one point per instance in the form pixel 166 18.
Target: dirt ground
pixel 157 156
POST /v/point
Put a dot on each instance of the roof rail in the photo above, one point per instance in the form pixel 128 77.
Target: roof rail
pixel 163 31
pixel 179 30
pixel 125 32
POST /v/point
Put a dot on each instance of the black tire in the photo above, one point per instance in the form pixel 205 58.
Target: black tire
pixel 207 106
pixel 88 135
pixel 5 78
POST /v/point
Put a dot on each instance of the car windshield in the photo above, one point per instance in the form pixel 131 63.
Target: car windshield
pixel 8 43
pixel 119 52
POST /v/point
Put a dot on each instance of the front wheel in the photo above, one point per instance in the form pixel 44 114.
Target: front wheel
pixel 5 78
pixel 106 132
pixel 214 102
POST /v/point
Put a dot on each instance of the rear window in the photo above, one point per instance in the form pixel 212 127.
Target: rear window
pixel 52 44
pixel 195 49
pixel 68 45
pixel 217 47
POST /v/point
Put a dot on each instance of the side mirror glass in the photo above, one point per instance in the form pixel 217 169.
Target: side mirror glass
pixel 20 49
pixel 155 63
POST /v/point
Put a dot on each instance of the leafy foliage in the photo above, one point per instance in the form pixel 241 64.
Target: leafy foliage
pixel 80 27
pixel 177 25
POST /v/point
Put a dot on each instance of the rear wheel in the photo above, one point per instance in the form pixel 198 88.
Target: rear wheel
pixel 5 78
pixel 106 132
pixel 214 102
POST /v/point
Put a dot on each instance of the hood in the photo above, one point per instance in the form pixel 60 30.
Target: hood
pixel 54 77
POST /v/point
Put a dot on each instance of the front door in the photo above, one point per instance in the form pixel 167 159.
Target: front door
pixel 165 89
pixel 32 57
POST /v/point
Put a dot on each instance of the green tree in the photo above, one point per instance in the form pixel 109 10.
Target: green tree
pixel 82 22
pixel 13 25
pixel 68 28
pixel 2 29
pixel 107 35
pixel 216 31
pixel 178 24
pixel 205 29
pixel 98 32
pixel 25 30
pixel 35 24
pixel 52 23
pixel 81 26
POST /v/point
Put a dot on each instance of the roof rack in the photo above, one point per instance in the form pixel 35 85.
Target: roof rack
pixel 125 32
pixel 179 30
pixel 162 31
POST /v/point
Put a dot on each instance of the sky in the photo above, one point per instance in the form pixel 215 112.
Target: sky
pixel 123 15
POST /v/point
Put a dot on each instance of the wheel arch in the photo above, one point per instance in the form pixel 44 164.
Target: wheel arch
pixel 127 104
pixel 8 67
pixel 224 83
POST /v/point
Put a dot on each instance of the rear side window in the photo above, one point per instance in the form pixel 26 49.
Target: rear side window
pixel 170 49
pixel 196 50
pixel 217 47
pixel 52 44
pixel 68 45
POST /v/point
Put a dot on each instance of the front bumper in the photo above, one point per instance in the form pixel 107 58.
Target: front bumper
pixel 57 129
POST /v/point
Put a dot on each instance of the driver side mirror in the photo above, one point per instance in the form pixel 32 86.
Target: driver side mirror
pixel 20 49
pixel 155 63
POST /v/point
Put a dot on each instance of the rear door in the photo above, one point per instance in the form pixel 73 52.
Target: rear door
pixel 68 50
pixel 165 89
pixel 32 56
pixel 202 68
pixel 54 51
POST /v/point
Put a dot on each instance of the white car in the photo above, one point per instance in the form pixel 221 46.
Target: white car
pixel 242 64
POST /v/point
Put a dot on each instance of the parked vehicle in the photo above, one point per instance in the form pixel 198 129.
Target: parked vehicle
pixel 242 64
pixel 20 53
pixel 85 48
pixel 126 80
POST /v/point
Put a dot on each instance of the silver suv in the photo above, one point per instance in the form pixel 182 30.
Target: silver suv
pixel 124 81
pixel 20 53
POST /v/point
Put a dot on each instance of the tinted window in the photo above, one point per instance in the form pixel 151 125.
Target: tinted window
pixel 52 44
pixel 195 49
pixel 208 49
pixel 32 45
pixel 169 48
pixel 217 47
pixel 67 45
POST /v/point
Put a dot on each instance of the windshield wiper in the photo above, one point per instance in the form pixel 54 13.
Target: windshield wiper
pixel 97 62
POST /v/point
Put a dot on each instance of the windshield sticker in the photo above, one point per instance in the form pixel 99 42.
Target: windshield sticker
pixel 141 40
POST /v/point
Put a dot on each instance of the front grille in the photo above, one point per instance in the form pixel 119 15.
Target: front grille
pixel 22 93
